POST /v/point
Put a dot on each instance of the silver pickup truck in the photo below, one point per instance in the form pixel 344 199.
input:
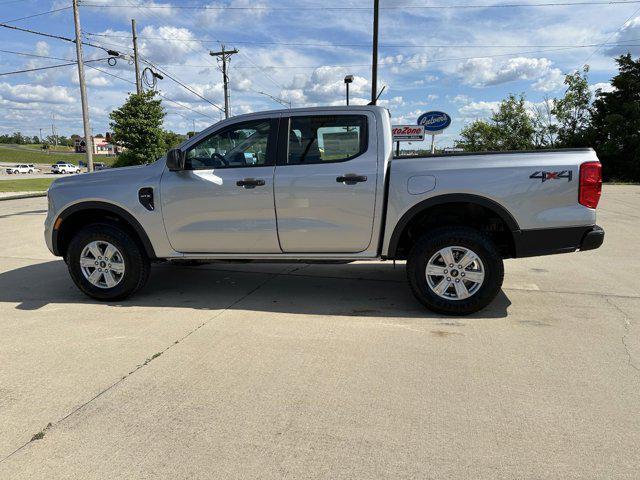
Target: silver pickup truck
pixel 321 185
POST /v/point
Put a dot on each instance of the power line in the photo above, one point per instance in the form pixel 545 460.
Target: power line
pixel 25 54
pixel 131 4
pixel 182 84
pixel 173 78
pixel 391 7
pixel 395 63
pixel 179 82
pixel 14 1
pixel 364 45
pixel 266 74
pixel 58 37
pixel 2 74
pixel 159 93
pixel 611 36
pixel 36 14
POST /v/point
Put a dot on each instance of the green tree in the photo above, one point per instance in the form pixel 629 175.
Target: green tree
pixel 572 111
pixel 137 126
pixel 477 136
pixel 615 123
pixel 509 128
pixel 544 124
pixel 172 140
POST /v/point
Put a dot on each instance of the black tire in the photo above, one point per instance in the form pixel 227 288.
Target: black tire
pixel 136 263
pixel 437 239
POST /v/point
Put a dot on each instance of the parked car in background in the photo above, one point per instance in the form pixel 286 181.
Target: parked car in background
pixel 100 166
pixel 21 168
pixel 64 168
pixel 321 184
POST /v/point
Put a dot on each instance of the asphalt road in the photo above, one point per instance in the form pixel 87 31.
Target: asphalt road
pixel 296 371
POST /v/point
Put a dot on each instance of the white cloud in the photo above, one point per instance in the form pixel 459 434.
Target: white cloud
pixel 628 34
pixel 35 93
pixel 483 72
pixel 214 13
pixel 42 48
pixel 484 109
pixel 403 64
pixel 603 87
pixel 128 9
pixel 478 109
pixel 460 98
pixel 94 78
pixel 326 86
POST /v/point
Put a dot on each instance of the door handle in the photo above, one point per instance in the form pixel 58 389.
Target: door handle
pixel 250 182
pixel 351 179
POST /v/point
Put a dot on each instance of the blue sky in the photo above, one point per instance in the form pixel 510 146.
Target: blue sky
pixel 462 61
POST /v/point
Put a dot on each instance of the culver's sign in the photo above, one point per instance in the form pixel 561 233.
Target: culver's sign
pixel 434 122
pixel 407 133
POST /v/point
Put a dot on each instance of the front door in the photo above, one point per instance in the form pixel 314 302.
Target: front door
pixel 223 201
pixel 325 182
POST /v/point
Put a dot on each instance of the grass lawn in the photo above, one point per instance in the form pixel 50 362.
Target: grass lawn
pixel 19 154
pixel 25 155
pixel 53 148
pixel 28 185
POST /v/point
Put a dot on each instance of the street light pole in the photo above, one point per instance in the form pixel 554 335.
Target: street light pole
pixel 374 60
pixel 347 80
pixel 83 88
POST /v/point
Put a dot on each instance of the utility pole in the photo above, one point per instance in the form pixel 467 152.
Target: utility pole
pixel 83 88
pixel 135 56
pixel 374 66
pixel 53 129
pixel 225 56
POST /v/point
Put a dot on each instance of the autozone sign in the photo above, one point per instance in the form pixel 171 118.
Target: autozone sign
pixel 408 133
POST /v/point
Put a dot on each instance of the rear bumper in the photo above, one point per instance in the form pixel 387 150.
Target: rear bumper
pixel 593 239
pixel 549 241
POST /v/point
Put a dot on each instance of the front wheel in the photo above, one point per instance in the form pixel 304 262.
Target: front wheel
pixel 455 270
pixel 106 263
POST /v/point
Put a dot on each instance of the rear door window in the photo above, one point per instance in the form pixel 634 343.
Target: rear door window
pixel 327 138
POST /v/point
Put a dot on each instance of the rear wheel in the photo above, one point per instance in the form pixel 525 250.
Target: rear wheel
pixel 455 270
pixel 106 262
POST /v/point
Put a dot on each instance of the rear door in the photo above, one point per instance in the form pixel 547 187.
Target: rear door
pixel 223 201
pixel 325 182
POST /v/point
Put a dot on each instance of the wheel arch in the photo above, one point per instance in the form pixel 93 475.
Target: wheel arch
pixel 85 213
pixel 467 201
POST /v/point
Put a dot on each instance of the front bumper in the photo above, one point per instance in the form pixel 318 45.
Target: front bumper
pixel 549 241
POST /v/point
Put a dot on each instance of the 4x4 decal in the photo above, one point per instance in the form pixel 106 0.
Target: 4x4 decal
pixel 544 176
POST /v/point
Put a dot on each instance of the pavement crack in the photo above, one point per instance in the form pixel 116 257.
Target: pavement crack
pixel 148 361
pixel 627 331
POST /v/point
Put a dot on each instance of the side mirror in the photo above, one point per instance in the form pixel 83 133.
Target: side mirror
pixel 175 160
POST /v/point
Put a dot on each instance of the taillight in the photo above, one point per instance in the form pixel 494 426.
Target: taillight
pixel 590 184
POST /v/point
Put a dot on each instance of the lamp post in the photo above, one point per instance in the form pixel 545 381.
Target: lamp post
pixel 347 80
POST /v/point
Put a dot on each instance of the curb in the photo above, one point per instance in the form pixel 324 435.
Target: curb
pixel 26 195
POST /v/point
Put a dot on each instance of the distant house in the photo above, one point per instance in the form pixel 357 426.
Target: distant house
pixel 101 145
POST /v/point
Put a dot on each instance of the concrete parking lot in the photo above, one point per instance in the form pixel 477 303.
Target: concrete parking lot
pixel 309 371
